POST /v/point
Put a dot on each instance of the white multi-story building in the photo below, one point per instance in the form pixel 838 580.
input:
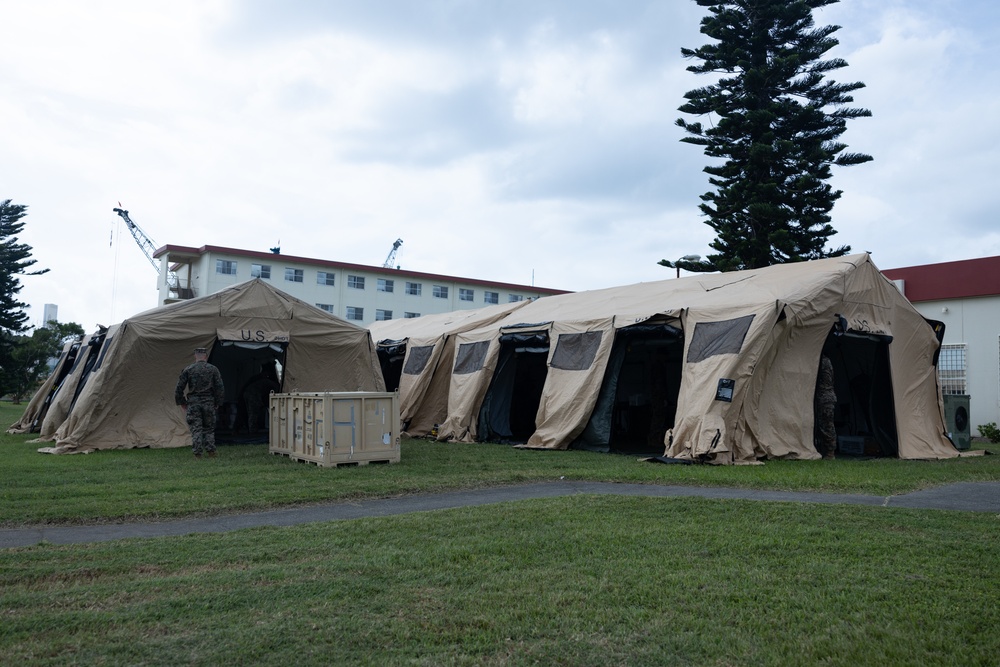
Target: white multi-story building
pixel 965 296
pixel 355 292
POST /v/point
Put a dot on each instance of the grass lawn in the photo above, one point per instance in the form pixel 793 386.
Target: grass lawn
pixel 577 580
pixel 117 485
pixel 567 581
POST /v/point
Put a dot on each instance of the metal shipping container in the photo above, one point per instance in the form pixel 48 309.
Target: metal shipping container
pixel 332 429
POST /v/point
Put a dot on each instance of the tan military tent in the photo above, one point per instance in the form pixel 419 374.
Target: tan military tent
pixel 38 406
pixel 75 367
pixel 121 393
pixel 416 354
pixel 718 368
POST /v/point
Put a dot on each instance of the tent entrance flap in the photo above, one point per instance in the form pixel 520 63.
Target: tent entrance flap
pixel 250 371
pixel 637 402
pixel 511 403
pixel 865 416
pixel 64 371
pixel 97 346
pixel 390 358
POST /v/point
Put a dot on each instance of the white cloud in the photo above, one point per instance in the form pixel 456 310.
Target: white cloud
pixel 534 138
pixel 934 139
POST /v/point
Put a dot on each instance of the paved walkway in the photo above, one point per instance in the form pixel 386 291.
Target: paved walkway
pixel 965 496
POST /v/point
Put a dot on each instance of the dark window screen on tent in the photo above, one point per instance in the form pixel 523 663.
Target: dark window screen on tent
pixel 471 357
pixel 576 352
pixel 723 337
pixel 417 359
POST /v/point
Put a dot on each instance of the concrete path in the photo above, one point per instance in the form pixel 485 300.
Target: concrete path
pixel 966 497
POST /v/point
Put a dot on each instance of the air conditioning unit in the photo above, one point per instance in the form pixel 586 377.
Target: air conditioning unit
pixel 956 419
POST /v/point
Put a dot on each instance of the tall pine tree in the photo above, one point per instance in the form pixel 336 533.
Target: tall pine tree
pixel 777 124
pixel 15 259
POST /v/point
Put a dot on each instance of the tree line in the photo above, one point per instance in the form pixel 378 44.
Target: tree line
pixel 24 351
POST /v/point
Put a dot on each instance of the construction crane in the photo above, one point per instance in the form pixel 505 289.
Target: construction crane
pixel 391 259
pixel 145 243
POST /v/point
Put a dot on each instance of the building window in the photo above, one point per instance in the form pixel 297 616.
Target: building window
pixel 414 289
pixel 260 271
pixel 440 292
pixel 356 282
pixel 382 315
pixel 324 278
pixel 385 285
pixel 952 365
pixel 514 298
pixel 293 275
pixel 466 294
pixel 355 313
pixel 410 316
pixel 328 307
pixel 491 297
pixel 226 267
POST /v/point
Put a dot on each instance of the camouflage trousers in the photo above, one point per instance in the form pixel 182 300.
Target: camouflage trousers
pixel 201 420
pixel 255 414
pixel 826 441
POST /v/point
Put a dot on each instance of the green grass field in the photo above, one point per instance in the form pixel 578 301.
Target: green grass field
pixel 168 483
pixel 577 580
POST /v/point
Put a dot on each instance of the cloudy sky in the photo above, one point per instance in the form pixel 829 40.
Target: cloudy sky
pixel 511 140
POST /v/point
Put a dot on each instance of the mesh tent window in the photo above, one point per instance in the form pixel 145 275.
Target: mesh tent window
pixel 417 360
pixel 576 352
pixel 471 357
pixel 713 338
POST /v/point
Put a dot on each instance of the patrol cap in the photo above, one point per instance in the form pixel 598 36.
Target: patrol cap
pixel 200 350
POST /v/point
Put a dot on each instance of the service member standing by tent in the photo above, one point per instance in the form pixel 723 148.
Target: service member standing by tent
pixel 122 396
pixel 205 393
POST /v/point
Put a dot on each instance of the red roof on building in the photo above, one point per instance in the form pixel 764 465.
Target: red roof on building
pixel 949 280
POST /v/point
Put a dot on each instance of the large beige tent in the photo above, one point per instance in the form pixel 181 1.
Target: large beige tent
pixel 38 406
pixel 718 368
pixel 120 394
pixel 416 356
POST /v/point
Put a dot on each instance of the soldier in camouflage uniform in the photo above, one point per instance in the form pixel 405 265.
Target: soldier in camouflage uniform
pixel 826 401
pixel 204 397
pixel 256 395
